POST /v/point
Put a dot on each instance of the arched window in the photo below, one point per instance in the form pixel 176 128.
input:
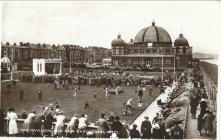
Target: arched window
pixel 184 50
pixel 177 49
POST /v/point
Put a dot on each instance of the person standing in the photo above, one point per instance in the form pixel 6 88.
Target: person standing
pixel 146 128
pixel 199 124
pixel 150 88
pixel 193 106
pixel 117 127
pixel 203 106
pixel 72 126
pixel 102 127
pixel 29 120
pixel 59 125
pixel 21 95
pixel 39 94
pixel 24 115
pixel 134 133
pixel 208 119
pixel 83 124
pixel 12 126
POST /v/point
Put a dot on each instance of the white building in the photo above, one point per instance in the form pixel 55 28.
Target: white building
pixel 47 66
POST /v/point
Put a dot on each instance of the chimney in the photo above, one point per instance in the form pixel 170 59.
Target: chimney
pixel 21 44
pixel 131 40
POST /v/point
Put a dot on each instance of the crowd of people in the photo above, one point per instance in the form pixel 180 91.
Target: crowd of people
pixel 52 121
pixel 97 78
pixel 200 109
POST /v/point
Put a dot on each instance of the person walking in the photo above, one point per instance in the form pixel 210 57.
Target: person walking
pixel 208 119
pixel 12 125
pixel 146 128
pixel 203 106
pixel 199 123
pixel 193 106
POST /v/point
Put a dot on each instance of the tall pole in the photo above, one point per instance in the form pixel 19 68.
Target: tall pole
pixel 70 62
pixel 162 69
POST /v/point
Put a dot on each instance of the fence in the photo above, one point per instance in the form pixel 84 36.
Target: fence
pixel 20 125
pixel 211 89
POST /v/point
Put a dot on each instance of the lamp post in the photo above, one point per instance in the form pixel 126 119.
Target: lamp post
pixel 70 63
pixel 162 68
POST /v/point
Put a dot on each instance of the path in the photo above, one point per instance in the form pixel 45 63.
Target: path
pixel 153 108
pixel 191 126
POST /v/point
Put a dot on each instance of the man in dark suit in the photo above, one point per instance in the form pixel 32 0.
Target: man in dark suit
pixel 146 128
pixel 134 133
pixel 117 126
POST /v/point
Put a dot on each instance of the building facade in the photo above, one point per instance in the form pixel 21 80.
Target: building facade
pixel 22 54
pixel 96 54
pixel 152 48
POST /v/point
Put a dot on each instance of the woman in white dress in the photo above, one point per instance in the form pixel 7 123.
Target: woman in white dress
pixel 28 121
pixel 59 126
pixel 12 126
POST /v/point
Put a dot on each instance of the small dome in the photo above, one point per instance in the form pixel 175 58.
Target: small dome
pixel 153 34
pixel 118 41
pixel 181 41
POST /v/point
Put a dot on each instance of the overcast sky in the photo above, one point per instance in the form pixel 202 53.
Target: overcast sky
pixel 98 23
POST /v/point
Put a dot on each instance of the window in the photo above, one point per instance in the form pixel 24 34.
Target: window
pixel 40 67
pixel 150 44
pixel 184 50
pixel 168 61
pixel 120 51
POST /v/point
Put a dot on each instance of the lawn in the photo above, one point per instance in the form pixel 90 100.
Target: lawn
pixel 68 103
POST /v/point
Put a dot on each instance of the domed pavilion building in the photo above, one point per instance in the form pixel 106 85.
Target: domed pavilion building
pixel 152 48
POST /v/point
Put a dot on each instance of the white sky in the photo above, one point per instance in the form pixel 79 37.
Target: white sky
pixel 98 23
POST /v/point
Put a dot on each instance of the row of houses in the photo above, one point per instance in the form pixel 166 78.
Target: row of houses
pixel 22 54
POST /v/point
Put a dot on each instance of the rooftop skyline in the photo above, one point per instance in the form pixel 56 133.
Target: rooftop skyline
pixel 98 23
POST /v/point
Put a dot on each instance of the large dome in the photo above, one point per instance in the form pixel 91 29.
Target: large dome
pixel 181 41
pixel 118 41
pixel 153 34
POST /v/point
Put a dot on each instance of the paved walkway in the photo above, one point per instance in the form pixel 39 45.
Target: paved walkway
pixel 153 108
pixel 191 126
pixel 191 130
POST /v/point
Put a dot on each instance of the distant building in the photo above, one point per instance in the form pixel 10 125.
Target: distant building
pixel 97 54
pixel 151 47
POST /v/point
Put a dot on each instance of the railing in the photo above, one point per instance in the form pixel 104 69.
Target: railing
pixel 20 125
pixel 211 89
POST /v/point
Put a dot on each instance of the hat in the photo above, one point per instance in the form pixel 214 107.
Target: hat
pixel 202 100
pixel 134 126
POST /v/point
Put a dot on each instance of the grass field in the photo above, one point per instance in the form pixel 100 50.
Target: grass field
pixel 68 103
